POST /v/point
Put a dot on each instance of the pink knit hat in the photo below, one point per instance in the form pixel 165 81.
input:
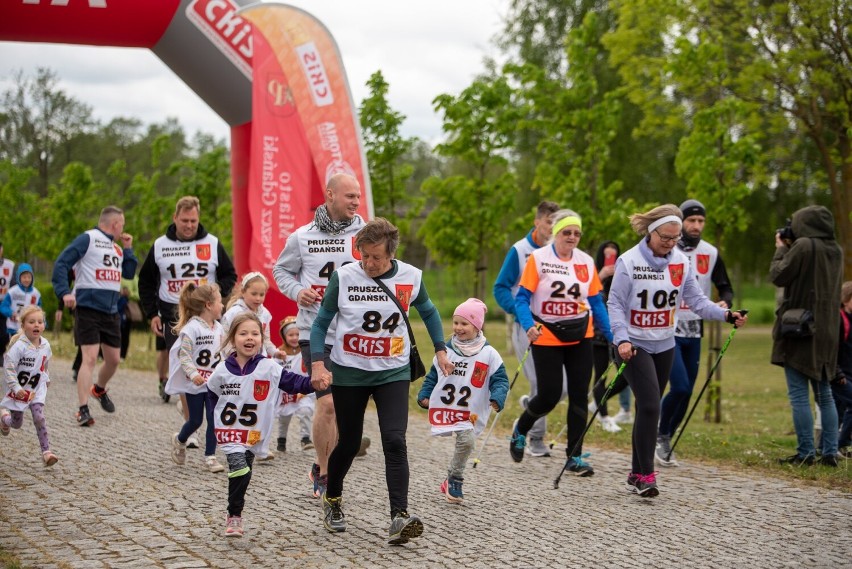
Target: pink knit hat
pixel 473 310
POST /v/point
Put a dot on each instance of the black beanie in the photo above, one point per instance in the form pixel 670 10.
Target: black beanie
pixel 692 207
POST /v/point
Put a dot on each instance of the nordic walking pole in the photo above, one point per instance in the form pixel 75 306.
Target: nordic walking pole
pixel 589 424
pixel 497 416
pixel 706 383
pixel 594 385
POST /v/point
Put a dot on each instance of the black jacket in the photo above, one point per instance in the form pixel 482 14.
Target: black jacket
pixel 149 277
pixel 810 271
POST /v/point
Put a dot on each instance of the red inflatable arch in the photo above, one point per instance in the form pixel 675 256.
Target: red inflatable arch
pixel 210 46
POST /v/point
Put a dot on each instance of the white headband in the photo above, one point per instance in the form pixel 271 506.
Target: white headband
pixel 250 276
pixel 665 220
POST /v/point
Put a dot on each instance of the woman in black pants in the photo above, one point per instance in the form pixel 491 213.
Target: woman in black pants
pixel 650 281
pixel 370 357
pixel 560 289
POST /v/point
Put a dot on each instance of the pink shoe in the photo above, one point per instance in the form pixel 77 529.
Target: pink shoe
pixel 234 527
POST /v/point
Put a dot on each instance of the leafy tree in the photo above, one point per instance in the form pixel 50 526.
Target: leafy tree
pixel 19 226
pixel 467 220
pixel 386 152
pixel 38 122
pixel 71 207
pixel 783 68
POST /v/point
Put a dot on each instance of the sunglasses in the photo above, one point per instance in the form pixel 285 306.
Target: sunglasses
pixel 571 232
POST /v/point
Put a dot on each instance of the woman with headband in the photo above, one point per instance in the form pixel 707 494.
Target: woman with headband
pixel 651 280
pixel 559 293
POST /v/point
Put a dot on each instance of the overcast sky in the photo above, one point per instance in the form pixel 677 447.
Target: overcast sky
pixel 423 49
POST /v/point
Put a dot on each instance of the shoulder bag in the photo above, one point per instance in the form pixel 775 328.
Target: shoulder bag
pixel 798 323
pixel 418 370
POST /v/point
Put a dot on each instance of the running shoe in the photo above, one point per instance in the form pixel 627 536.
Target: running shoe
pixel 451 487
pixel 797 460
pixel 267 457
pixel 828 460
pixel 213 464
pixel 404 527
pixel 517 443
pixel 234 526
pixel 49 458
pixel 4 428
pixel 178 450
pixel 579 467
pixel 192 442
pixel 632 480
pixel 624 416
pixel 313 476
pixel 332 514
pixel 84 418
pixel 646 485
pixel 609 425
pixel 536 447
pixel 163 395
pixel 365 444
pixel 308 444
pixel 101 395
pixel 663 454
pixel 282 444
pixel 322 484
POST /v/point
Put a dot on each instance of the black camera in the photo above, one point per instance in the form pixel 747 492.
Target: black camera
pixel 786 232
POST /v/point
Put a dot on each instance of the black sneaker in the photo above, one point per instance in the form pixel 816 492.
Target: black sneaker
pixel 646 485
pixel 106 403
pixel 84 418
pixel 404 527
pixel 797 460
pixel 163 395
pixel 332 514
pixel 282 444
pixel 517 444
pixel 74 376
pixel 580 467
pixel 828 460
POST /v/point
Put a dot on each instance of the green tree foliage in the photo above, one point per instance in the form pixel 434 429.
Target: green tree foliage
pixel 18 210
pixel 470 207
pixel 71 207
pixel 38 122
pixel 774 73
pixel 386 153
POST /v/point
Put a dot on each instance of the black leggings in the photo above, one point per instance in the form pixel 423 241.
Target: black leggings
pixel 601 357
pixel 549 361
pixel 392 407
pixel 647 375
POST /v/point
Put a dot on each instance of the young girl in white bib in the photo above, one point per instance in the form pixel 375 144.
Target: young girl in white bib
pixel 247 388
pixel 294 404
pixel 27 379
pixel 192 359
pixel 461 402
pixel 249 298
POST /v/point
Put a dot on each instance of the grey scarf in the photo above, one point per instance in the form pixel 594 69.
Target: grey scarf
pixel 328 225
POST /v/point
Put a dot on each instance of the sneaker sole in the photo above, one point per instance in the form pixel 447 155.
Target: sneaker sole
pixel 451 499
pixel 332 529
pixel 233 534
pixel 667 464
pixel 583 474
pixel 88 423
pixel 411 530
pixel 648 492
pixel 51 461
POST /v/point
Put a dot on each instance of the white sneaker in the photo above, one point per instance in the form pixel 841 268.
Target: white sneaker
pixel 623 416
pixel 269 456
pixel 663 451
pixel 213 464
pixel 592 405
pixel 523 401
pixel 192 442
pixel 609 425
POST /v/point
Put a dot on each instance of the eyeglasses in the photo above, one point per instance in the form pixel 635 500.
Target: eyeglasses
pixel 668 238
pixel 571 232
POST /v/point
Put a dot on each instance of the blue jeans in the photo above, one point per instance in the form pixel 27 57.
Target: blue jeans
pixel 687 356
pixel 803 419
pixel 843 401
pixel 199 405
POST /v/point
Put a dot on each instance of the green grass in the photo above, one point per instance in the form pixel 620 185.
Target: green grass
pixel 756 425
pixel 9 561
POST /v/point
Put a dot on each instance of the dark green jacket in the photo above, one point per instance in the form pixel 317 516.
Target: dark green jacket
pixel 811 273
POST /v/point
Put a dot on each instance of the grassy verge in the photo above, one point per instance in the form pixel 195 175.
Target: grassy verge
pixel 756 425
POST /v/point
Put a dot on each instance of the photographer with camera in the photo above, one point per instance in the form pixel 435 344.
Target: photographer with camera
pixel 807 263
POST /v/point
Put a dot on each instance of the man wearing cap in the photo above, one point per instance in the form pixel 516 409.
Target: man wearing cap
pixel 505 289
pixel 709 269
pixel 186 253
pixel 7 274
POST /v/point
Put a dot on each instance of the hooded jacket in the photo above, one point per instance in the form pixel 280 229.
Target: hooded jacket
pixel 810 270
